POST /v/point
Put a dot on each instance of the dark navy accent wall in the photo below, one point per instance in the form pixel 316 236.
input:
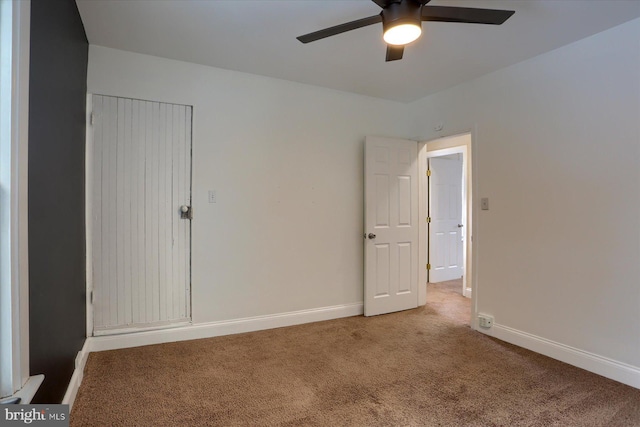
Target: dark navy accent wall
pixel 57 103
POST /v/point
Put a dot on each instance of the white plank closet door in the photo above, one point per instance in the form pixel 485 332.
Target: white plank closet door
pixel 141 176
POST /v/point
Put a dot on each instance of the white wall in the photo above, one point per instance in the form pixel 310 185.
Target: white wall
pixel 557 152
pixel 286 161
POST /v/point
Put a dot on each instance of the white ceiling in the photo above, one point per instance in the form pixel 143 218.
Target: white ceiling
pixel 259 37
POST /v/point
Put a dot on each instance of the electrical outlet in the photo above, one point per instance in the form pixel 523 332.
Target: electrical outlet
pixel 212 196
pixel 485 321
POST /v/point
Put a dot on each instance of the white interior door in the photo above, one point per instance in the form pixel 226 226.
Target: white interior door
pixel 445 229
pixel 140 242
pixel 391 228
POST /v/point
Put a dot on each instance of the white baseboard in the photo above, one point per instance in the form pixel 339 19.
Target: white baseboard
pixel 76 378
pixel 618 371
pixel 225 327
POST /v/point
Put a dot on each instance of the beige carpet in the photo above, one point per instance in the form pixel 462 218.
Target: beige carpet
pixel 422 367
pixel 451 286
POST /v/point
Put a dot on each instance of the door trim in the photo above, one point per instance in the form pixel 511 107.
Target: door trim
pixel 440 147
pixel 88 201
pixel 461 149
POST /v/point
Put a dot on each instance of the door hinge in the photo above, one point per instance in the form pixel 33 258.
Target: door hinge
pixel 92 119
pixel 429 219
pixel 91 297
pixel 428 266
pixel 428 172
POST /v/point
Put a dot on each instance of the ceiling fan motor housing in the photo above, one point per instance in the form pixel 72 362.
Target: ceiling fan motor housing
pixel 402 12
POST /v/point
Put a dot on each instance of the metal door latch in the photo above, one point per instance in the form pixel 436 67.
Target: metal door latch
pixel 186 212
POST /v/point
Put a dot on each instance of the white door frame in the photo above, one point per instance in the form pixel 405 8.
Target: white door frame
pixel 461 149
pixel 447 273
pixel 88 220
pixel 442 147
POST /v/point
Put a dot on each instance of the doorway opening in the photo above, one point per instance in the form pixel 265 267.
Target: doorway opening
pixel 446 235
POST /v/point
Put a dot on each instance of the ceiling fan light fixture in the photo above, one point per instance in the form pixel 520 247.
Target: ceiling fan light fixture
pixel 402 20
pixel 402 34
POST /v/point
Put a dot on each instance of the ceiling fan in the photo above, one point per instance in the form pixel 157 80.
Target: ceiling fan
pixel 401 22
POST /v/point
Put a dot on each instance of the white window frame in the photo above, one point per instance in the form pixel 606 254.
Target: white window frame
pixel 14 269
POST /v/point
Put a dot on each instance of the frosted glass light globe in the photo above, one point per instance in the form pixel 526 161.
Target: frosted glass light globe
pixel 402 34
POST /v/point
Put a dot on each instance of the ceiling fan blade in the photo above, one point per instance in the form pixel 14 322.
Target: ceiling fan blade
pixel 465 14
pixel 394 53
pixel 342 28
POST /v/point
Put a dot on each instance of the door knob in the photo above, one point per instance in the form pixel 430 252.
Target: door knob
pixel 186 212
pixel 371 236
pixel 460 225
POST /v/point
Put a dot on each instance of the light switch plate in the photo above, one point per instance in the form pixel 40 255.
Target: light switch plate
pixel 484 203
